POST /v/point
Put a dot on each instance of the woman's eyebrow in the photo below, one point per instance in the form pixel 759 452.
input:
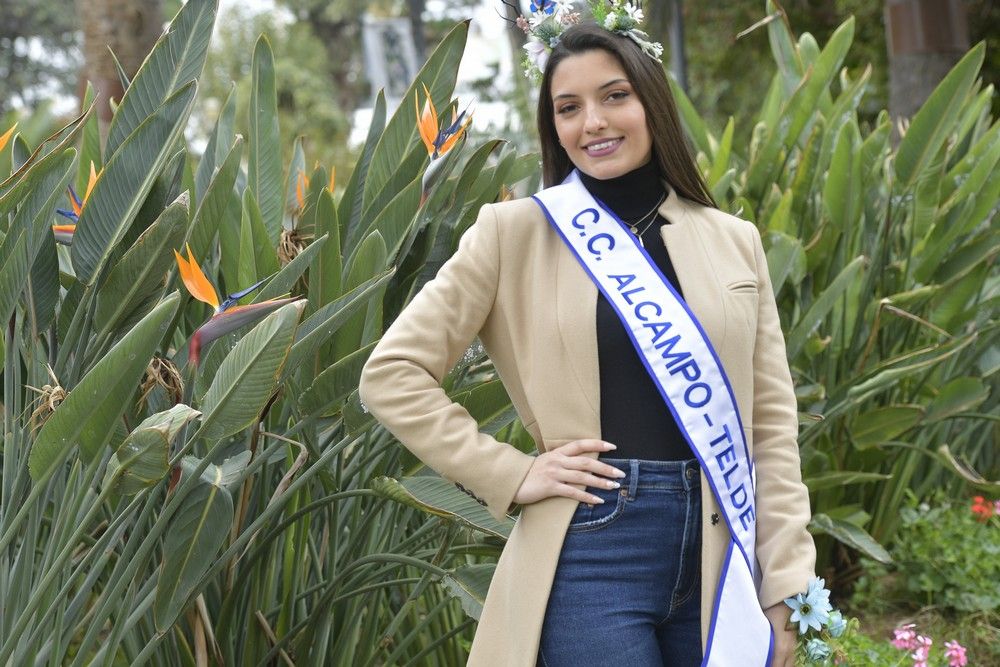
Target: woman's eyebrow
pixel 606 85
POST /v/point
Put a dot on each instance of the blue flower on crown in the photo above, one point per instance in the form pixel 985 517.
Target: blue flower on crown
pixel 548 6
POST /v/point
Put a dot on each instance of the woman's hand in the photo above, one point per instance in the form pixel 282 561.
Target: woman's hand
pixel 553 473
pixel 784 639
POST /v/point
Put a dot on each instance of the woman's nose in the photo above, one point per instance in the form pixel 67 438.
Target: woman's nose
pixel 595 121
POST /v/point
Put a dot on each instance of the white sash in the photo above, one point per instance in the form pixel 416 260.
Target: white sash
pixel 690 378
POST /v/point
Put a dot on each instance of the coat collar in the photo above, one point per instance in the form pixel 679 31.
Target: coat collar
pixel 576 294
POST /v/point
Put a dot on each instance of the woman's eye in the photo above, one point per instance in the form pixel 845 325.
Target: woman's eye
pixel 617 95
pixel 566 109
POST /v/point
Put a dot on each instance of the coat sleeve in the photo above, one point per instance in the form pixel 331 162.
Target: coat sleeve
pixel 401 381
pixel 785 549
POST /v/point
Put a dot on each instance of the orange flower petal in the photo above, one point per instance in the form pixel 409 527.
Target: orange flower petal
pixel 94 175
pixel 6 136
pixel 195 280
pixel 333 178
pixel 301 184
pixel 427 122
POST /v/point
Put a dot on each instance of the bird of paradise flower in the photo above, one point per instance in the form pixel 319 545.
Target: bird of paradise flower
pixel 228 316
pixel 437 140
pixel 302 186
pixel 5 137
pixel 64 233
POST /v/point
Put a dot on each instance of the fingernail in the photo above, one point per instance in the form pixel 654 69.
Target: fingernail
pixel 598 499
pixel 608 445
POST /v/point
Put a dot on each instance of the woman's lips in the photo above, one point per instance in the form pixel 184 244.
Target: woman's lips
pixel 603 148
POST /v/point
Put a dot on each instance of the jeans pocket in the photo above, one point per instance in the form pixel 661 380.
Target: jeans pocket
pixel 598 515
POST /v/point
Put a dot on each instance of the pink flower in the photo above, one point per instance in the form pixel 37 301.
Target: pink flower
pixel 955 653
pixel 922 651
pixel 904 637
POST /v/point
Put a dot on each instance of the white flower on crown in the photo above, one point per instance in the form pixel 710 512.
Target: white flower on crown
pixel 537 54
pixel 610 20
pixel 634 11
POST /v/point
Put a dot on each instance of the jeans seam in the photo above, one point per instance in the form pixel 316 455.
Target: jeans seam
pixel 684 561
pixel 587 526
pixel 682 568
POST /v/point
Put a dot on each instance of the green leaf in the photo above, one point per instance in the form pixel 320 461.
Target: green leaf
pixel 962 394
pixel 692 121
pixel 439 497
pixel 283 282
pixel 127 179
pixel 88 415
pixel 819 309
pixel 325 272
pixel 197 531
pixel 264 170
pixel 90 144
pixel 785 259
pixel 214 203
pixel 851 535
pixel 335 383
pixel 138 278
pixel 369 259
pixel 934 121
pixel 177 59
pixel 883 424
pixel 470 583
pixel 438 74
pixel 326 321
pixel 352 201
pixel 220 142
pixel 842 193
pixel 142 459
pixel 841 478
pixel 249 375
pixel 45 187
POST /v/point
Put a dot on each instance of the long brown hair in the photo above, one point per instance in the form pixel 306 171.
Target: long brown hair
pixel 670 146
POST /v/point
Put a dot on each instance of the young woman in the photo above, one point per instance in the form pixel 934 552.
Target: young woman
pixel 631 546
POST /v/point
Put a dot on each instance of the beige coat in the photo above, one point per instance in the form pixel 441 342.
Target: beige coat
pixel 515 284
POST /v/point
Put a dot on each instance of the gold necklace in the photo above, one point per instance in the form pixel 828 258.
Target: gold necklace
pixel 633 226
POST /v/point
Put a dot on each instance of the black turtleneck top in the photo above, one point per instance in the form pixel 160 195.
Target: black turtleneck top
pixel 633 414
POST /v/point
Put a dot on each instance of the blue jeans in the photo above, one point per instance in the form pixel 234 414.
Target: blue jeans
pixel 627 589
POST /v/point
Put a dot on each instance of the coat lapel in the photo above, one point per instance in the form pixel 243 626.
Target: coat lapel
pixel 576 297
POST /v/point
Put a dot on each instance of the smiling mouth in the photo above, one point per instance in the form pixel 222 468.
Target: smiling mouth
pixel 603 146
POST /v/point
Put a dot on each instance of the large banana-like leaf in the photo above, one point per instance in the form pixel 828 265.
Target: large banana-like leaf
pixel 89 414
pixel 821 307
pixel 197 531
pixel 436 495
pixel 936 118
pixel 352 201
pixel 851 535
pixel 833 480
pixel 219 145
pixel 142 459
pixel 325 271
pixel 249 375
pixel 23 240
pixel 369 259
pixel 139 275
pixel 335 383
pixel 438 74
pixel 215 201
pixel 289 274
pixel 470 583
pixel 963 394
pixel 177 58
pixel 127 178
pixel 883 424
pixel 326 321
pixel 264 169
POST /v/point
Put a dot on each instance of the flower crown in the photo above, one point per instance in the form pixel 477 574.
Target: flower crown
pixel 550 18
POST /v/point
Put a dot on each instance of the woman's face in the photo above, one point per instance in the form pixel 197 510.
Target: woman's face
pixel 598 116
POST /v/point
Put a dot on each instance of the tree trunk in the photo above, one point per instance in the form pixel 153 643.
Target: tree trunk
pixel 924 39
pixel 129 28
pixel 417 27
